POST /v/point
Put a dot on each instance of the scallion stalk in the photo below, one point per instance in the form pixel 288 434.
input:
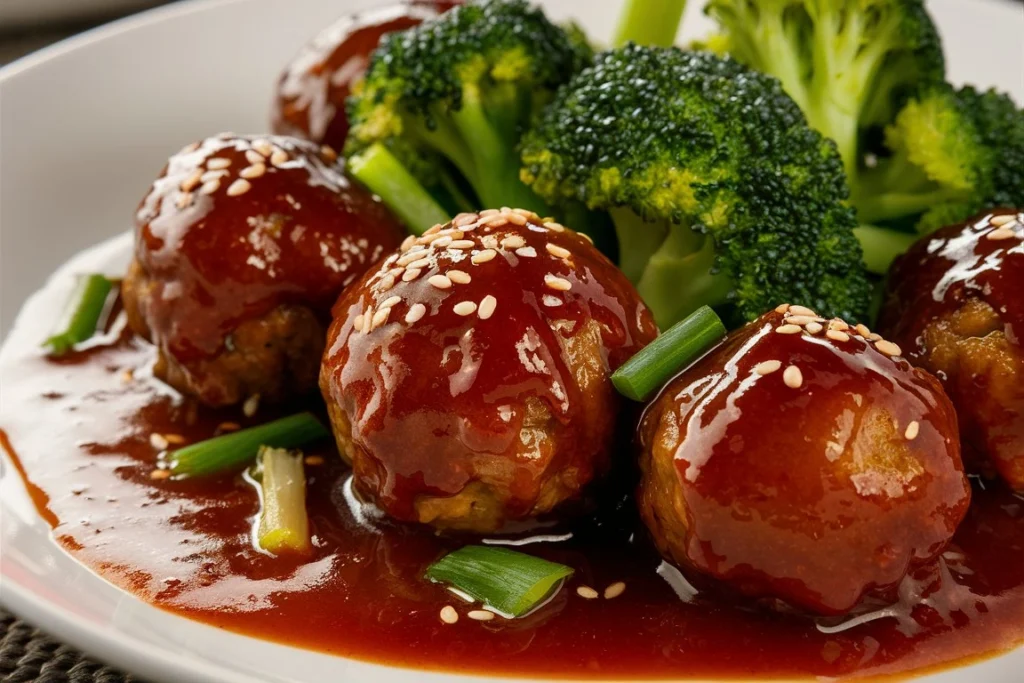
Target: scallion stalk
pixel 236 449
pixel 82 314
pixel 509 582
pixel 385 176
pixel 283 527
pixel 659 361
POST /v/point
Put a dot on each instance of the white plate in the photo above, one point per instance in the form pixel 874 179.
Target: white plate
pixel 84 127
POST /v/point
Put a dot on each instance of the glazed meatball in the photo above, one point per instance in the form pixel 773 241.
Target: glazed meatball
pixel 955 302
pixel 310 98
pixel 801 463
pixel 241 247
pixel 468 378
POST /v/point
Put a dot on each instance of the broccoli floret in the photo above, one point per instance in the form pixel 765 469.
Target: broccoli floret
pixel 950 154
pixel 849 64
pixel 458 91
pixel 720 192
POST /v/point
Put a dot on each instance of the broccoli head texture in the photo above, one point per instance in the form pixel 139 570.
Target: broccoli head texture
pixel 720 192
pixel 452 96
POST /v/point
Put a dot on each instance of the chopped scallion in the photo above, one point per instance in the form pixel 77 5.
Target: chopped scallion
pixel 82 315
pixel 234 450
pixel 385 176
pixel 283 527
pixel 509 582
pixel 659 361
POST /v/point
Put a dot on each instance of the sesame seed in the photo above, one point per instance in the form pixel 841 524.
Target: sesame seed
pixel 218 163
pixel 813 327
pixel 557 283
pixel 442 242
pixel 263 147
pixel 557 251
pixel 556 227
pixel 515 218
pixel 160 474
pixel 483 256
pixel 586 592
pixel 801 319
pixel 888 348
pixel 127 376
pixel 158 441
pixel 433 230
pixel 190 183
pixel 254 157
pixel 802 310
pixel 551 301
pixel 254 171
pixel 836 335
pixel 526 213
pixel 493 222
pixel 184 200
pixel 837 324
pixel 251 405
pixel 863 330
pixel 462 244
pixel 210 187
pixel 460 277
pixel 789 329
pixel 328 152
pixel 449 615
pixel 615 590
pixel 212 175
pixel 367 320
pixel 411 274
pixel 380 317
pixel 419 263
pixel 314 460
pixel 782 308
pixel 440 281
pixel 176 439
pixel 526 252
pixel 407 242
pixel 480 615
pixel 767 367
pixel 465 308
pixel 1000 221
pixel 386 283
pixel 416 311
pixel 228 427
pixel 279 157
pixel 391 301
pixel 874 336
pixel 413 255
pixel 1003 233
pixel 913 429
pixel 239 187
pixel 513 242
pixel 487 306
pixel 486 213
pixel 586 237
pixel 793 377
pixel 464 219
pixel 357 324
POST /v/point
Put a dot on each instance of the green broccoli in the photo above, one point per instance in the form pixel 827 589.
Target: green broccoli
pixel 448 100
pixel 849 64
pixel 949 155
pixel 720 192
pixel 649 22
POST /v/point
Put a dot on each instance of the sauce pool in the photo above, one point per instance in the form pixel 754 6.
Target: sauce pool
pixel 186 546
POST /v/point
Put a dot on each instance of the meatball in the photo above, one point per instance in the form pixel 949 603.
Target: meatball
pixel 803 463
pixel 468 378
pixel 241 247
pixel 311 92
pixel 954 301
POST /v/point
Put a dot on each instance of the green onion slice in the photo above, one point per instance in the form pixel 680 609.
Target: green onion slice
pixel 283 527
pixel 233 450
pixel 509 582
pixel 662 359
pixel 82 314
pixel 385 176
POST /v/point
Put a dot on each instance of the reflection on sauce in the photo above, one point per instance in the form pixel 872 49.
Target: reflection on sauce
pixel 186 547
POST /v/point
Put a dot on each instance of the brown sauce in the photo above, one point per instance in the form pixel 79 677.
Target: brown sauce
pixel 186 546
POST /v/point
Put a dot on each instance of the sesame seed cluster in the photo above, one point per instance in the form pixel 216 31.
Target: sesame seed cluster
pixel 1003 227
pixel 456 251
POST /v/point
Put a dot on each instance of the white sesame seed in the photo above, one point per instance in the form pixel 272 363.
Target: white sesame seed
pixel 493 222
pixel 279 157
pixel 483 256
pixel 407 242
pixel 526 213
pixel 526 252
pixel 782 308
pixel 913 429
pixel 888 348
pixel 160 474
pixel 874 336
pixel 802 310
pixel 863 330
pixel 801 319
pixel 212 175
pixel 789 329
pixel 412 255
pixel 386 283
pixel 357 324
pixel 462 244
pixel 586 237
pixel 254 157
pixel 487 306
pixel 380 317
pixel 464 308
pixel 158 442
pixel 184 200
pixel 416 311
pixel 793 377
pixel 328 152
pixel 513 242
pixel 254 171
pixel 1000 221
pixel 367 320
pixel 556 227
pixel 1003 233
pixel 459 277
pixel 449 615
pixel 767 367
pixel 480 615
pixel 411 274
pixel 464 219
pixel 239 187
pixel 440 281
pixel 557 283
pixel 836 335
pixel 391 301
pixel 251 405
pixel 442 242
pixel 432 230
pixel 557 251
pixel 419 263
pixel 190 183
pixel 210 187
pixel 515 218
pixel 218 163
pixel 551 301
pixel 586 592
pixel 263 147
pixel 837 324
pixel 813 327
pixel 615 590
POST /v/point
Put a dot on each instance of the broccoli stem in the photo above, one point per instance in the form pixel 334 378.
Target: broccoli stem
pixel 638 241
pixel 649 22
pixel 882 246
pixel 385 176
pixel 888 205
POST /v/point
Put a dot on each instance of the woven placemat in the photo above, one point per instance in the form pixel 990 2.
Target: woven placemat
pixel 27 654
